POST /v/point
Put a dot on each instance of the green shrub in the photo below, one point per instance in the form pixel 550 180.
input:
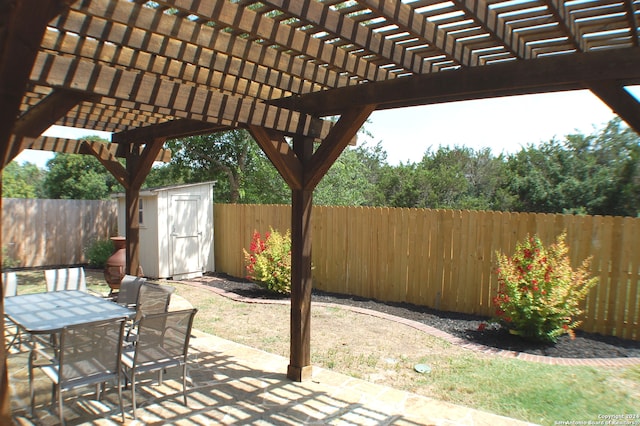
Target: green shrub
pixel 98 252
pixel 539 294
pixel 7 261
pixel 269 261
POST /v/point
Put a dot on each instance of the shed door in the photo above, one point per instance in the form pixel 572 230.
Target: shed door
pixel 185 236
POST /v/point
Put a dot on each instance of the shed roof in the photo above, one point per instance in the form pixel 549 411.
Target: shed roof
pixel 155 190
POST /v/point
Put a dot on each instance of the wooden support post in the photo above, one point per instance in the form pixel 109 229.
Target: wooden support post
pixel 132 219
pixel 138 167
pixel 5 400
pixel 301 283
pixel 302 169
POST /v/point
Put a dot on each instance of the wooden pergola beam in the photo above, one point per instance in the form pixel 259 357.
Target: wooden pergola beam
pixel 49 110
pixel 40 117
pixel 138 165
pixel 168 130
pixel 280 154
pixel 328 152
pixel 75 146
pixel 263 27
pixel 107 158
pixel 361 36
pixel 548 74
pixel 125 17
pixel 620 101
pixel 23 24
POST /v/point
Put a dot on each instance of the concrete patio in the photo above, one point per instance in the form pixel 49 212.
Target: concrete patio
pixel 232 384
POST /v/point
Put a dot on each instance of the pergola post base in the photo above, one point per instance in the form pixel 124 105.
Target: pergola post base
pixel 299 374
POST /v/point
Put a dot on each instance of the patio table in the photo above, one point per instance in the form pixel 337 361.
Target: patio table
pixel 50 312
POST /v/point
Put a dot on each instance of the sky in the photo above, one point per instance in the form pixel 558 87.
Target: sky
pixel 504 125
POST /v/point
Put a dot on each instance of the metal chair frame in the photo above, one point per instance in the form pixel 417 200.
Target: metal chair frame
pixel 86 354
pixel 162 342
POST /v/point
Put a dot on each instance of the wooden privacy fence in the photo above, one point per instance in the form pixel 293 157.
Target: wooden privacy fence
pixel 444 259
pixel 40 232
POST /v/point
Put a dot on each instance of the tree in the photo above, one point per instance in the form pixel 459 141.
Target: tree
pixel 452 178
pixel 22 181
pixel 263 183
pixel 402 186
pixel 597 174
pixel 352 179
pixel 75 176
pixel 163 175
pixel 463 178
pixel 232 159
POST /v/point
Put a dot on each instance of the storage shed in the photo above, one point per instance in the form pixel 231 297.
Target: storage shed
pixel 176 230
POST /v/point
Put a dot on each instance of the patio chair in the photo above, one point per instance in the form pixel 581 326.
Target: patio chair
pixel 152 298
pixel 129 290
pixel 87 354
pixel 162 342
pixel 65 279
pixel 10 289
pixel 9 284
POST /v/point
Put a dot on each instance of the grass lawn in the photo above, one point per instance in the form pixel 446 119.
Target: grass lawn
pixel 386 352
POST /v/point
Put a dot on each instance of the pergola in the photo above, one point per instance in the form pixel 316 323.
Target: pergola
pixel 147 71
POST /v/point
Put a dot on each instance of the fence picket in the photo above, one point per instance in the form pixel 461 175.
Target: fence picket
pixel 620 286
pixel 631 328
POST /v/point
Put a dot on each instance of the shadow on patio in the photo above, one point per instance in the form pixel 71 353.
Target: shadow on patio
pixel 236 384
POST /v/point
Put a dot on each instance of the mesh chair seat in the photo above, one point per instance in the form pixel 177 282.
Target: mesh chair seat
pixel 129 290
pixel 9 284
pixel 65 279
pixel 153 298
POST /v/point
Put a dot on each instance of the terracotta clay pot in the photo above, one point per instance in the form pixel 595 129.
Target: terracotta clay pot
pixel 116 265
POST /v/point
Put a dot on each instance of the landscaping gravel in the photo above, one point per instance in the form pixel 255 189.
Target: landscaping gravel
pixel 584 345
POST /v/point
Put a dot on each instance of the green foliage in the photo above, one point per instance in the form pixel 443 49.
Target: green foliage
pixel 597 174
pixel 452 178
pixel 352 179
pixel 269 261
pixel 262 183
pixel 7 261
pixel 163 175
pixel 97 253
pixel 22 181
pixel 80 177
pixel 234 161
pixel 539 293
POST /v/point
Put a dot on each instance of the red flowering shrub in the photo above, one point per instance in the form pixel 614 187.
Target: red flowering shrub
pixel 268 261
pixel 539 294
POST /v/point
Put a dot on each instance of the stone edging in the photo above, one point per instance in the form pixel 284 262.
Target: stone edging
pixel 594 362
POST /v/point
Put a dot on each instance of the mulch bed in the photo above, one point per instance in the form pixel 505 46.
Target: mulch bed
pixel 584 345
